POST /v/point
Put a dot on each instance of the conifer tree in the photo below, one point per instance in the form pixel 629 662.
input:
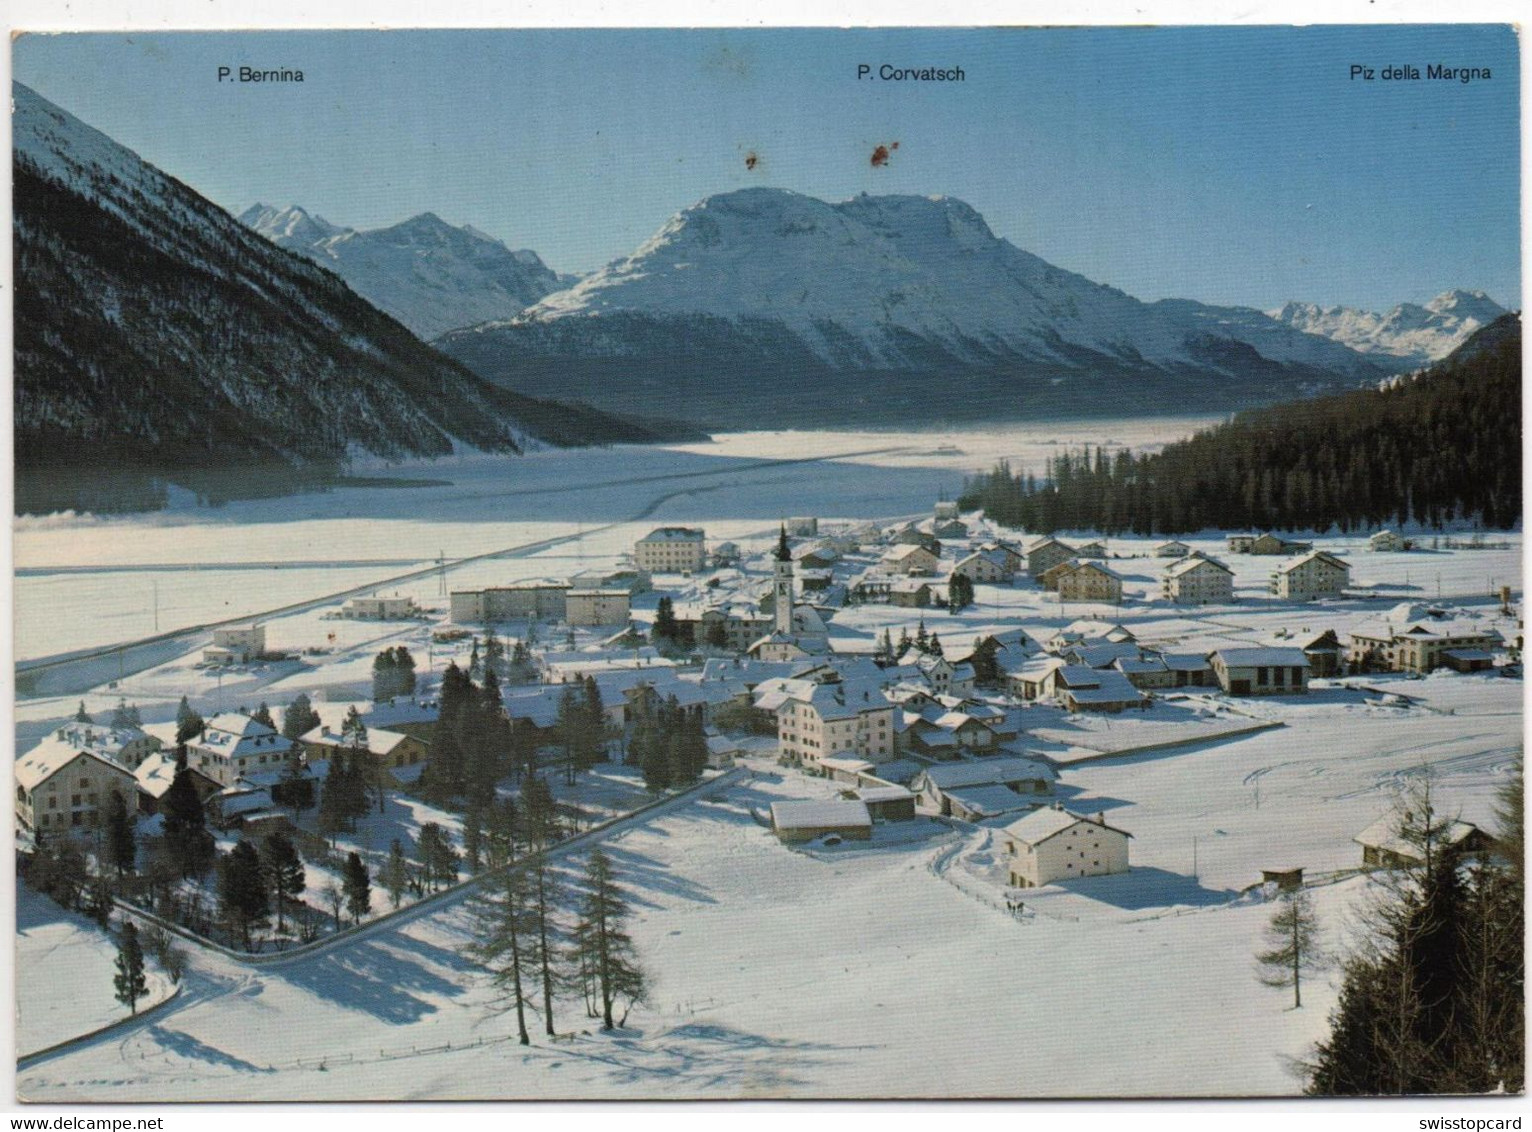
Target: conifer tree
pixel 83 716
pixel 121 847
pixel 188 723
pixel 300 718
pixel 357 887
pixel 284 873
pixel 572 726
pixel 546 894
pixel 129 982
pixel 126 716
pixel 262 714
pixel 602 942
pixel 667 631
pixel 185 824
pixel 396 874
pixel 1293 946
pixel 242 890
pixel 503 929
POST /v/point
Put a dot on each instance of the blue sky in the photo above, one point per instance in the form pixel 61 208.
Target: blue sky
pixel 1232 165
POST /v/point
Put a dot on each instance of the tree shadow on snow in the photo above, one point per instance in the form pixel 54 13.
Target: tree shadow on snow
pixel 184 1045
pixel 705 1056
pixel 637 871
pixel 376 981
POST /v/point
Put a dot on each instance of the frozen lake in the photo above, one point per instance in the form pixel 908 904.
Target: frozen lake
pixel 84 581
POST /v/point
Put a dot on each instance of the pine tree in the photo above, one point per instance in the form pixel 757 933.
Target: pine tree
pixel 284 872
pixel 299 719
pixel 242 890
pixel 546 895
pixel 121 848
pixel 384 680
pixel 83 716
pixel 934 647
pixel 473 839
pixel 959 593
pixel 603 944
pixel 130 983
pixel 126 717
pixel 185 824
pixel 188 723
pixel 503 928
pixel 262 714
pixel 572 725
pixel 396 874
pixel 666 629
pixel 357 888
pixel 593 734
pixel 1292 938
pixel 494 653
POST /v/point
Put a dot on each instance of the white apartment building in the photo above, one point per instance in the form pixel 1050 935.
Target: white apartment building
pixel 671 550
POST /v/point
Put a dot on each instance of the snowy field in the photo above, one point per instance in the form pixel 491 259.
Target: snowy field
pixel 311 545
pixel 824 973
pixel 70 964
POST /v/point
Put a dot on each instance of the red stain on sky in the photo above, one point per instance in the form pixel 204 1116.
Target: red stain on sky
pixel 750 160
pixel 881 155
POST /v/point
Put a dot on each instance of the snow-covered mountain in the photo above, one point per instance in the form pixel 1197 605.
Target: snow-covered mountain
pixel 1415 334
pixel 159 340
pixel 773 286
pixel 429 275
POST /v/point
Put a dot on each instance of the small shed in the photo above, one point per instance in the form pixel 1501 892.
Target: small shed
pixel 888 803
pixel 796 822
pixel 1288 879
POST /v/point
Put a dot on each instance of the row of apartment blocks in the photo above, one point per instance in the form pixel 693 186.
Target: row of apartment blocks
pixel 594 598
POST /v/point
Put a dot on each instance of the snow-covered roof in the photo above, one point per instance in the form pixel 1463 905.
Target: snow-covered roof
pixel 156 774
pixel 1188 565
pixel 949 776
pixel 1263 658
pixel 1384 834
pixel 1040 825
pixel 379 741
pixel 1312 556
pixel 990 799
pixel 900 770
pixel 673 534
pixel 877 794
pixel 1185 661
pixel 836 814
pixel 52 755
pixel 841 762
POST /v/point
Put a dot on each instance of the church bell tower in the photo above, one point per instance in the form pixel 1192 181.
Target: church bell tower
pixel 782 593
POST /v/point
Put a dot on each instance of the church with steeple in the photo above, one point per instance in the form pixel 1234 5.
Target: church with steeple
pixel 797 631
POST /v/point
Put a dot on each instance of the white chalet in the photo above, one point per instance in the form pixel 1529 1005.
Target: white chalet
pixel 1054 844
pixel 234 746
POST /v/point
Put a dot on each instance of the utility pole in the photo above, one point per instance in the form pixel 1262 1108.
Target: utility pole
pixel 1194 857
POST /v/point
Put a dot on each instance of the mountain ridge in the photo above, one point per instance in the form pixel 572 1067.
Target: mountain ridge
pixel 430 275
pixel 158 340
pixel 793 294
pixel 1416 334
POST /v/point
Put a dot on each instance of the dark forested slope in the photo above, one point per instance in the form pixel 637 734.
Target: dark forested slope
pixel 1431 449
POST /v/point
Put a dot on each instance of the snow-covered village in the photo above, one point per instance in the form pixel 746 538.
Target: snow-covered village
pixel 826 652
